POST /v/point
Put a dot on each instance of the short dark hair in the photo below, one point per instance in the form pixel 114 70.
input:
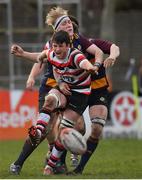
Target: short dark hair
pixel 61 37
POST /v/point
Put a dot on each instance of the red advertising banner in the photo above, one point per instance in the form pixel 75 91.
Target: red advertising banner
pixel 18 111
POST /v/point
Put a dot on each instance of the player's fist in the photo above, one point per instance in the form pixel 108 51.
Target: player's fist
pixel 108 62
pixel 64 88
pixel 17 50
pixel 30 83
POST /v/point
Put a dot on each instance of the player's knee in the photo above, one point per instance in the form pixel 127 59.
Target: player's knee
pixel 66 123
pixel 80 125
pixel 97 127
pixel 51 103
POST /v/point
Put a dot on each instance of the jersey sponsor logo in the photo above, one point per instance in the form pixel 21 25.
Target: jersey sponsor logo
pixel 79 47
pixel 68 79
pixel 102 99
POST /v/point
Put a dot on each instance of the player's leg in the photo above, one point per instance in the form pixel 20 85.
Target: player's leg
pixel 32 142
pixel 52 136
pixel 93 140
pixel 27 148
pixel 53 100
pixel 61 165
pixel 74 110
pixel 80 126
pixel 98 114
pixel 67 121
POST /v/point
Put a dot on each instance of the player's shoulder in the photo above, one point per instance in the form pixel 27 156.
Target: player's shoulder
pixel 75 51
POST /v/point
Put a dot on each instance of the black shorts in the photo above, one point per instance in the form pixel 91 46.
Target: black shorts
pixel 98 97
pixel 77 102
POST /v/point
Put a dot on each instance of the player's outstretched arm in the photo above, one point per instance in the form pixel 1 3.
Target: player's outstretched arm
pixel 19 52
pixel 36 69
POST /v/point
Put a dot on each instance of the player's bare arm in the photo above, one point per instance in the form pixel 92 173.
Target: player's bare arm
pixel 85 64
pixel 42 57
pixel 98 53
pixel 114 53
pixel 19 51
pixel 35 71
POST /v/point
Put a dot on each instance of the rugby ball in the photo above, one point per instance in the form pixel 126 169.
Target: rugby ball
pixel 73 141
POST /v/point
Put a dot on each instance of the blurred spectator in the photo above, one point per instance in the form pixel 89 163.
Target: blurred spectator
pixel 131 69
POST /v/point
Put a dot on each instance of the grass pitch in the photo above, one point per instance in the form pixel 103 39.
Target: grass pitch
pixel 114 158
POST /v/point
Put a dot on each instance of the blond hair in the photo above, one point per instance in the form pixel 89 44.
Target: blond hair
pixel 54 14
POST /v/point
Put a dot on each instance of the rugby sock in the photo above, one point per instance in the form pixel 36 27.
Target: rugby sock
pixel 27 149
pixel 42 123
pixel 56 154
pixel 50 146
pixel 63 157
pixel 91 146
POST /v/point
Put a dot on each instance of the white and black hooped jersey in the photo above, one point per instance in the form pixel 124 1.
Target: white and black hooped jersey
pixel 70 71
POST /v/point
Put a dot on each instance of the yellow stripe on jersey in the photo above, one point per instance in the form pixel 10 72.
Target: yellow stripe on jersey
pixel 51 82
pixel 99 83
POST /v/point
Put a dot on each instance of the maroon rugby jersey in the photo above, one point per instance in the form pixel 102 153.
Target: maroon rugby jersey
pixel 102 44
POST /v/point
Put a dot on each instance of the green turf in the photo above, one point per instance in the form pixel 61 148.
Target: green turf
pixel 117 158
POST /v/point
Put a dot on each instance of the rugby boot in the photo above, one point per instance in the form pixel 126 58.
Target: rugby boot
pixel 15 169
pixel 48 170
